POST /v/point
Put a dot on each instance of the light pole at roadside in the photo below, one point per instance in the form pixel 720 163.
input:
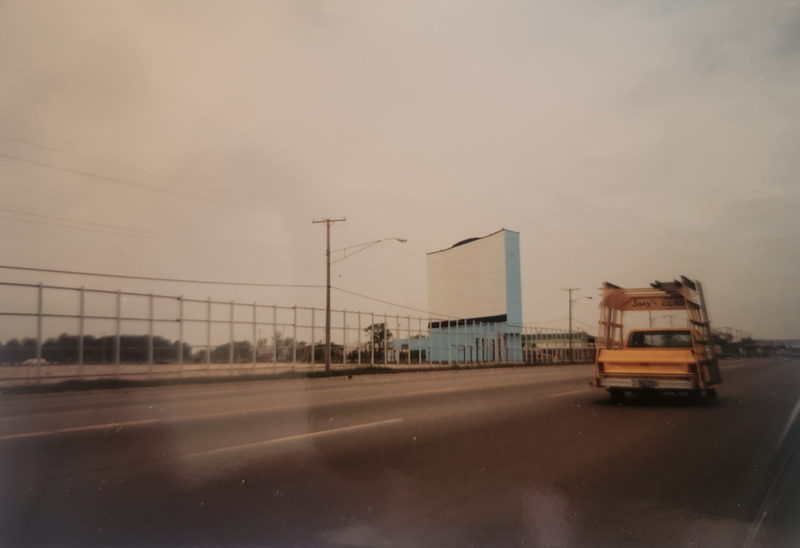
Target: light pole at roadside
pixel 571 290
pixel 328 286
pixel 357 248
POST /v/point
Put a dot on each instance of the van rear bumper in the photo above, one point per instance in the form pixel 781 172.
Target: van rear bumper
pixel 646 383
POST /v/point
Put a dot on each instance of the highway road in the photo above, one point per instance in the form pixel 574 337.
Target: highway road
pixel 503 457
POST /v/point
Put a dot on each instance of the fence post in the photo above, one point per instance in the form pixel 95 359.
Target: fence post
pixel 274 335
pixel 39 310
pixel 313 346
pixel 39 329
pixel 457 337
pixel 533 340
pixel 449 345
pixel 294 334
pixel 408 319
pixel 500 346
pixel 150 350
pixel 231 355
pixel 344 337
pixel 358 337
pixel 475 336
pixel 397 325
pixel 463 338
pixel 482 329
pixel 462 332
pixel 372 340
pixel 468 342
pixel 479 343
pixel 430 339
pixel 81 326
pixel 523 343
pixel 208 332
pixel 385 339
pixel 456 341
pixel 254 355
pixel 421 338
pixel 180 333
pixel 117 327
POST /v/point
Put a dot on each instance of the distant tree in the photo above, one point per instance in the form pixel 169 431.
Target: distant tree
pixel 16 351
pixel 281 344
pixel 187 351
pixel 63 349
pixel 133 349
pixel 242 351
pixel 28 348
pixel 380 337
pixel 12 351
pixel 379 333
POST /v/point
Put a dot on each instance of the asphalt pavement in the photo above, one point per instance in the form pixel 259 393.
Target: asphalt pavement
pixel 502 457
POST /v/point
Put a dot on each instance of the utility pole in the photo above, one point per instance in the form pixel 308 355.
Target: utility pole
pixel 328 286
pixel 570 290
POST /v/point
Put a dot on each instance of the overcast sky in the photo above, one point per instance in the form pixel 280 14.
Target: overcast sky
pixel 626 141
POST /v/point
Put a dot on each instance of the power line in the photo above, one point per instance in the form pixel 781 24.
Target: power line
pixel 228 283
pixel 382 301
pixel 69 226
pixel 155 278
pixel 32 144
pixel 434 314
pixel 204 196
pixel 72 223
pixel 64 150
pixel 87 173
pixel 102 228
pixel 92 175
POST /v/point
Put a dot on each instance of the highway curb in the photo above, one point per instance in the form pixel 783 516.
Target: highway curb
pixel 118 383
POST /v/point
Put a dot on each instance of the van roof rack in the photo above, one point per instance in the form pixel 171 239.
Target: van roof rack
pixel 684 294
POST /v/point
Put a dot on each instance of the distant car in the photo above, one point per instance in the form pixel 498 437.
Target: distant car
pixel 35 361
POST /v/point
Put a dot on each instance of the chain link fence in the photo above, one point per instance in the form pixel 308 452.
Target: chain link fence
pixel 80 333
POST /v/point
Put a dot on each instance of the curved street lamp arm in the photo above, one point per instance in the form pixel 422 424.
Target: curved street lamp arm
pixel 362 247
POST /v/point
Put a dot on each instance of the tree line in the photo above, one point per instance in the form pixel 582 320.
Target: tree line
pixel 65 349
pixel 134 349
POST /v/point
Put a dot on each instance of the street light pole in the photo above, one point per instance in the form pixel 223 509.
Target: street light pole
pixel 328 286
pixel 570 290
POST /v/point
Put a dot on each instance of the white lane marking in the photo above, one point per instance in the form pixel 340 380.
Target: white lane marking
pixel 568 393
pixel 789 422
pixel 221 414
pixel 295 437
pixel 755 527
pixel 255 410
pixel 72 429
